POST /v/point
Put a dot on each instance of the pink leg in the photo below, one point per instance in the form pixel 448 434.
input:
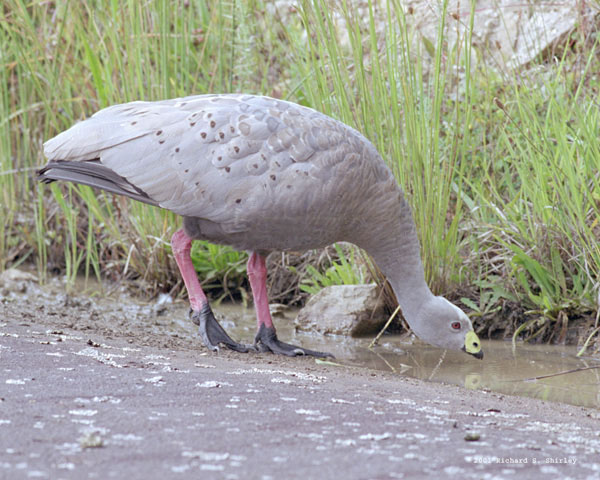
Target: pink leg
pixel 257 274
pixel 266 339
pixel 211 332
pixel 182 246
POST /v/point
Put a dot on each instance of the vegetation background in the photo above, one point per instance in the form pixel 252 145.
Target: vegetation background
pixel 501 167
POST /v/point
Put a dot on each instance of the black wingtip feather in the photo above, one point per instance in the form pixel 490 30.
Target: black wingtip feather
pixel 93 174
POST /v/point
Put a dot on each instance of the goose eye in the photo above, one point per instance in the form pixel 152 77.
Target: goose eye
pixel 456 325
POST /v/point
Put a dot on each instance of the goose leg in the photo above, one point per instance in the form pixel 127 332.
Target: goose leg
pixel 211 332
pixel 266 339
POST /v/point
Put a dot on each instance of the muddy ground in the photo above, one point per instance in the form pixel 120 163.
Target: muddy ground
pixel 85 392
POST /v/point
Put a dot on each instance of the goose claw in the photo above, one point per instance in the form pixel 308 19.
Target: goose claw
pixel 212 332
pixel 266 341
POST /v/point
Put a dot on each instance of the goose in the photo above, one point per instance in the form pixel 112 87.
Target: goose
pixel 259 174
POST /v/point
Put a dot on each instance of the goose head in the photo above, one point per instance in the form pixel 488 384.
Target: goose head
pixel 440 323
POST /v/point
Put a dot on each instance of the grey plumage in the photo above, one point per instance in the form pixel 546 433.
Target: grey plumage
pixel 256 173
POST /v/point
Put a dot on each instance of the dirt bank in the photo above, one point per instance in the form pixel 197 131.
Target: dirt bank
pixel 88 394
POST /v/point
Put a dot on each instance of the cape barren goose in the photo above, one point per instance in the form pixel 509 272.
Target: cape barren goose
pixel 259 174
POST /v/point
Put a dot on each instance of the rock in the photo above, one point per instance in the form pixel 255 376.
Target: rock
pixel 91 440
pixel 506 34
pixel 472 437
pixel 343 310
pixel 278 309
pixel 16 275
pixel 15 281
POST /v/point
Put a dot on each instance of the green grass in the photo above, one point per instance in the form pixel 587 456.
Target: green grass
pixel 501 168
pixel 346 269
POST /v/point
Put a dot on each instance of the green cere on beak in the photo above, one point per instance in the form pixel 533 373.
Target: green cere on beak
pixel 473 345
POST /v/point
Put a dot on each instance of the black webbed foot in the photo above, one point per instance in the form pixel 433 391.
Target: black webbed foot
pixel 212 332
pixel 266 341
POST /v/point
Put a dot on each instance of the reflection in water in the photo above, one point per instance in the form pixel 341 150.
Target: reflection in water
pixel 527 370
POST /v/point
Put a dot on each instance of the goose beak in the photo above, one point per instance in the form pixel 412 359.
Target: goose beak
pixel 472 345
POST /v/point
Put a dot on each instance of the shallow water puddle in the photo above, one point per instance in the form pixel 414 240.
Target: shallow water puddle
pixel 526 370
pixel 537 371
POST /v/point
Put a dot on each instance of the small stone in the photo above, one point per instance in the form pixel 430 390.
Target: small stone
pixel 472 437
pixel 15 281
pixel 278 309
pixel 92 440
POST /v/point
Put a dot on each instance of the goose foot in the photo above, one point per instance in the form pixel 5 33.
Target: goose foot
pixel 212 332
pixel 266 341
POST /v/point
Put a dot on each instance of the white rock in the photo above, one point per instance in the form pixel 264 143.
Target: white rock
pixel 14 280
